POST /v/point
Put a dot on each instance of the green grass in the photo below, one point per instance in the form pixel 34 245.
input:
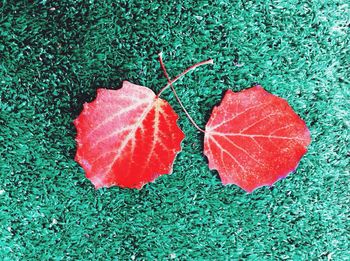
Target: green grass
pixel 55 54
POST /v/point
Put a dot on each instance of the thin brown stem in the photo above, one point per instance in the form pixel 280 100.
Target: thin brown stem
pixel 210 61
pixel 170 84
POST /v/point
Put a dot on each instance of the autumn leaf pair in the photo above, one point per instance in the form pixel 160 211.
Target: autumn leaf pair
pixel 129 137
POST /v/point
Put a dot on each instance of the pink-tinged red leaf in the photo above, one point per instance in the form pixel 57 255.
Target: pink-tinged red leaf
pixel 127 137
pixel 254 138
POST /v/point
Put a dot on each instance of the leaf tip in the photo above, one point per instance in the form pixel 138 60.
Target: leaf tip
pixel 96 181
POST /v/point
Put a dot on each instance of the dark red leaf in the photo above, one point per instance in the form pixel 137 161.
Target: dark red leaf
pixel 127 137
pixel 254 138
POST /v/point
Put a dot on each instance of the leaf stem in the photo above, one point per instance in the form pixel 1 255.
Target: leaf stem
pixel 170 84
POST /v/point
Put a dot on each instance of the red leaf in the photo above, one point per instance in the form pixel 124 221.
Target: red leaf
pixel 127 137
pixel 254 138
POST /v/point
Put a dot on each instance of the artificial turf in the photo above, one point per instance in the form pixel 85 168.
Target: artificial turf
pixel 55 54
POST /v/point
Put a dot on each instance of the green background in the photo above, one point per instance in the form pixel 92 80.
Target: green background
pixel 55 54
